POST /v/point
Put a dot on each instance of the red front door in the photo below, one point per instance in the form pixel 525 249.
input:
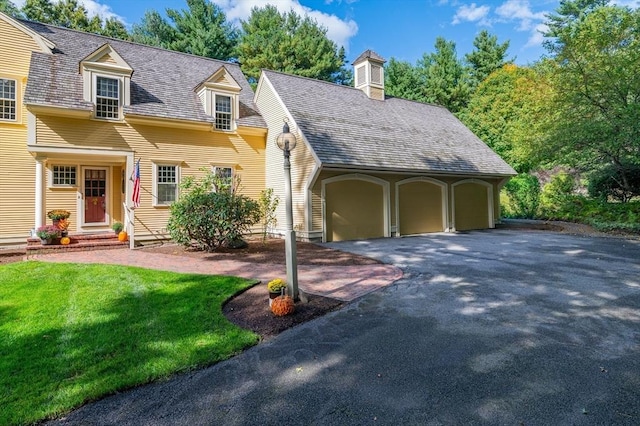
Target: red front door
pixel 95 187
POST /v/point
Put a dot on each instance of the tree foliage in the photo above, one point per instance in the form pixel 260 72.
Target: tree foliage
pixel 153 30
pixel 9 8
pixel 488 56
pixel 445 76
pixel 403 80
pixel 201 29
pixel 72 14
pixel 607 182
pixel 288 43
pixel 509 111
pixel 524 196
pixel 597 54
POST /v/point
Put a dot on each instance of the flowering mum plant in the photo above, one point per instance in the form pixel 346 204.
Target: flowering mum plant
pixel 58 214
pixel 48 231
pixel 276 286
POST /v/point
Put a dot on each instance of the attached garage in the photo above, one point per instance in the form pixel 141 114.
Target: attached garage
pixel 421 206
pixel 472 205
pixel 355 207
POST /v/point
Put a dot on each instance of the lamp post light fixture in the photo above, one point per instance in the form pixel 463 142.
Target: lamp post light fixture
pixel 286 141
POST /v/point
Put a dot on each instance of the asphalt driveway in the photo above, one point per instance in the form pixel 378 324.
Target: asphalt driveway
pixel 492 327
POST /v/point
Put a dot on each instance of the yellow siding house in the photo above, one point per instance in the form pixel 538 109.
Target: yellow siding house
pixel 78 111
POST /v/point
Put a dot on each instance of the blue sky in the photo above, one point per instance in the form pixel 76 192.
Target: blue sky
pixel 403 29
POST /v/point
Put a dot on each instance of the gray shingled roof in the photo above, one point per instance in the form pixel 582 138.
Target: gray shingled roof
pixel 347 129
pixel 162 84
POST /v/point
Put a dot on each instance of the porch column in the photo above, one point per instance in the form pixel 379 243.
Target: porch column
pixel 39 201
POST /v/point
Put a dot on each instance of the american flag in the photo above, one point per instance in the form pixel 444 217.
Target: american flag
pixel 136 185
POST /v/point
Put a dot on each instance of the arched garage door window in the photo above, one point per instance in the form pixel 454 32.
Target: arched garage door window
pixel 355 206
pixel 472 205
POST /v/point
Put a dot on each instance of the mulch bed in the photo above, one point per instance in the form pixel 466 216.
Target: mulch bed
pixel 250 309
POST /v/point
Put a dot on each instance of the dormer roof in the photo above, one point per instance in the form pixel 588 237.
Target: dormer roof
pixel 107 57
pixel 220 79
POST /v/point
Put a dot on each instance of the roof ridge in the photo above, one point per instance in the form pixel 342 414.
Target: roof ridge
pixel 315 80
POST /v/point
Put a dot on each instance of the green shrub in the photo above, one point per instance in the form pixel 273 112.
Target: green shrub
pixel 209 219
pixel 523 193
pixel 557 199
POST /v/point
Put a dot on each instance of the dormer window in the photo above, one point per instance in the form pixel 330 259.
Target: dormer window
pixel 106 77
pixel 107 98
pixel 219 95
pixel 224 113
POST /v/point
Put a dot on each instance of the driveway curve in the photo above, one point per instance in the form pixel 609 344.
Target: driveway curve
pixel 489 327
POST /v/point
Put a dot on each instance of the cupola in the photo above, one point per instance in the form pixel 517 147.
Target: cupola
pixel 368 71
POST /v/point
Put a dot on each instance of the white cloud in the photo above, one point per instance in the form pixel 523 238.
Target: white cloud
pixel 536 38
pixel 338 30
pixel 472 13
pixel 520 11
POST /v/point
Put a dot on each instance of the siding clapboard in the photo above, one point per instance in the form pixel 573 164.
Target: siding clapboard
pixel 17 183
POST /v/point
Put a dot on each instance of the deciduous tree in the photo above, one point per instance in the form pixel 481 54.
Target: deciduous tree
pixel 597 55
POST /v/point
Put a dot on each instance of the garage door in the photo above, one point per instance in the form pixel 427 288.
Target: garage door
pixel 420 207
pixel 354 209
pixel 471 206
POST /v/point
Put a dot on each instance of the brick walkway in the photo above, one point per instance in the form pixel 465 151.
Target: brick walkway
pixel 344 283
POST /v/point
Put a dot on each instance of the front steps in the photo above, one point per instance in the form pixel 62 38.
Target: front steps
pixel 79 242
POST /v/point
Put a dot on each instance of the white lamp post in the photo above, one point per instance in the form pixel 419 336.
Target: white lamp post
pixel 286 141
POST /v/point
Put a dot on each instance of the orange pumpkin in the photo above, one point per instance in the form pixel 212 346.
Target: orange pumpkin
pixel 65 241
pixel 283 305
pixel 122 236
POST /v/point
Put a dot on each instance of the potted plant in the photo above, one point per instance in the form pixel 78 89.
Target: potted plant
pixel 117 227
pixel 48 233
pixel 275 287
pixel 58 214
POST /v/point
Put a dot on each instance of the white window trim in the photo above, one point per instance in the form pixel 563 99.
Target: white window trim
pixel 94 95
pixel 157 164
pixel 51 176
pixel 17 100
pixel 208 96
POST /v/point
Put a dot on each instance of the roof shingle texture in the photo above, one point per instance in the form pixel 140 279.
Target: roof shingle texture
pixel 162 84
pixel 347 129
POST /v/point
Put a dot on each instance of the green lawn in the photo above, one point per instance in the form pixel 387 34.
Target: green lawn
pixel 71 333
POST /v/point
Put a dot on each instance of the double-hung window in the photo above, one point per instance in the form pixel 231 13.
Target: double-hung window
pixel 166 184
pixel 8 100
pixel 107 98
pixel 223 112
